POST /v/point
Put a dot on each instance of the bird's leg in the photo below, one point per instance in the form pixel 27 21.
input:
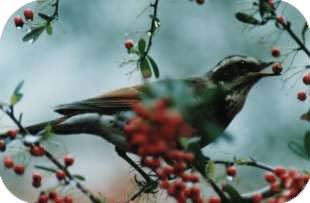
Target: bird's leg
pixel 133 164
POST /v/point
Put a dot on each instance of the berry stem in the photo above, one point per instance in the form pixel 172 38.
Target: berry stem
pixel 152 29
pixel 287 27
pixel 123 155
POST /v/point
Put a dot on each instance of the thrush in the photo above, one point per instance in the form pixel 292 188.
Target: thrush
pixel 236 74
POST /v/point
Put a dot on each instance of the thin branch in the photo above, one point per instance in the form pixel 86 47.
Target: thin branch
pixel 11 114
pixel 287 27
pixel 152 30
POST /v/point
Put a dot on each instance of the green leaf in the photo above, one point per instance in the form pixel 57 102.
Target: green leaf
pixel 297 149
pixel 145 68
pixel 49 29
pixel 184 142
pixel 17 95
pixel 264 8
pixel 210 169
pixel 47 133
pixel 304 32
pixel 154 67
pixel 44 16
pixel 34 34
pixel 19 87
pixel 248 19
pixel 44 168
pixel 307 143
pixel 141 46
pixel 233 193
pixel 102 198
pixel 79 177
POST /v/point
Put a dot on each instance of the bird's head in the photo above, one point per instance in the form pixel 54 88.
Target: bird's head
pixel 239 72
pixel 237 75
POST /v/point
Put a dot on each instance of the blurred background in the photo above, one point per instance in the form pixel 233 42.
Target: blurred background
pixel 82 60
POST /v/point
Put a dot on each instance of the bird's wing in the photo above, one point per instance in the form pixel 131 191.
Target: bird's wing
pixel 109 103
pixel 115 101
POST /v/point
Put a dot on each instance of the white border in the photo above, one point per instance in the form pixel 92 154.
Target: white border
pixel 8 7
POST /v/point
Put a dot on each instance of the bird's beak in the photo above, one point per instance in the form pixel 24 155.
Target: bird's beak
pixel 263 66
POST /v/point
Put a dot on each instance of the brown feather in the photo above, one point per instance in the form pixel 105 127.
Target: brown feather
pixel 109 103
pixel 117 100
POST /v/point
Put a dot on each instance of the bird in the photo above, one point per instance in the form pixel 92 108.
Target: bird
pixel 236 74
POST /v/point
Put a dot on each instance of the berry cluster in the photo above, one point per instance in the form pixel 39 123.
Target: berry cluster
pixel 53 197
pixel 286 184
pixel 276 67
pixel 19 21
pixel 302 96
pixel 8 163
pixel 154 135
pixel 19 169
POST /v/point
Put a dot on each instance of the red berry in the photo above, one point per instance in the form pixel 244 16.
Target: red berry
pixel 272 201
pixel 231 171
pixel 277 68
pixel 275 52
pixel 152 163
pixel 274 187
pixel 168 170
pixel 293 173
pixel 36 184
pixel 37 151
pixel 36 177
pixel 68 199
pixel 176 155
pixel 189 157
pixel 60 174
pixel 179 167
pixel 19 169
pixel 181 198
pixel 270 178
pixel 12 134
pixel 306 79
pixel 43 198
pixel 19 23
pixel 214 199
pixel 129 43
pixel 279 171
pixel 198 200
pixel 257 198
pixel 200 2
pixel 281 20
pixel 171 191
pixel 165 184
pixel 53 195
pixel 190 178
pixel 195 191
pixel 28 14
pixel 68 160
pixel 2 145
pixel 178 186
pixel 8 162
pixel 301 96
pixel 59 200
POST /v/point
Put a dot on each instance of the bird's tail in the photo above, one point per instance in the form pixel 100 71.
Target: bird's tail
pixel 93 124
